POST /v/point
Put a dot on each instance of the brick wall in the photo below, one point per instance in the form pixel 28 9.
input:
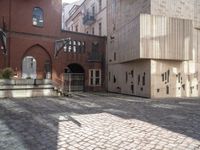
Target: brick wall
pixel 24 39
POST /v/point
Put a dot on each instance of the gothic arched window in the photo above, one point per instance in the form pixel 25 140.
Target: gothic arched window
pixel 38 17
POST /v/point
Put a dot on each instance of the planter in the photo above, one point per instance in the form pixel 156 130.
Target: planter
pixel 24 82
pixel 7 82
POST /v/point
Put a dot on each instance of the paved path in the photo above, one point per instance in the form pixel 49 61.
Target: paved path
pixel 95 121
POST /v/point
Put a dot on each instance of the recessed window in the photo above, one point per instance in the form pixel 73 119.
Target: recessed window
pixel 132 88
pixel 114 79
pixel 163 77
pixel 93 30
pixel 138 79
pixel 93 10
pixel 167 89
pixel 95 77
pixel 38 17
pixel 126 77
pixel 114 56
pixel 143 79
pixel 168 74
pixel 76 28
pixel 141 88
pixel 183 86
pixel 100 5
pixel 132 73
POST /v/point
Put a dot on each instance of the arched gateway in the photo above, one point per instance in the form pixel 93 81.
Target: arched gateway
pixel 29 65
pixel 36 63
pixel 74 78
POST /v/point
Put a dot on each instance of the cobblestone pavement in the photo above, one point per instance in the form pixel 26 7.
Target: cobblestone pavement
pixel 95 121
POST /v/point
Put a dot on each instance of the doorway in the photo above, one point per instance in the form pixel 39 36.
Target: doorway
pixel 74 77
pixel 29 66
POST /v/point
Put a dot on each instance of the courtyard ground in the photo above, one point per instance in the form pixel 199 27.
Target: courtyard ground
pixel 95 121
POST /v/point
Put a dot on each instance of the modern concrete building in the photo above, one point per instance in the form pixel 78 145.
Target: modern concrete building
pixel 154 47
pixel 90 17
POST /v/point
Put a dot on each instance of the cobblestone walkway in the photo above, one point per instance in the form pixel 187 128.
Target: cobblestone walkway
pixel 96 121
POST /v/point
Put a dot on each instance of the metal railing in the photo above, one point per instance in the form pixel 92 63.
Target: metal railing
pixel 89 19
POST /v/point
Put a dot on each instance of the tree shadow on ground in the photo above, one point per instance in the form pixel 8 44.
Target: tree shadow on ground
pixel 35 121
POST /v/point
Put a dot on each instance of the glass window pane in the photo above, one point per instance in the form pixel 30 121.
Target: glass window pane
pixel 91 81
pixel 38 17
pixel 91 73
pixel 97 73
pixel 97 82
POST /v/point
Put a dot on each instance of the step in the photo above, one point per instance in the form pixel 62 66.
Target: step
pixel 20 93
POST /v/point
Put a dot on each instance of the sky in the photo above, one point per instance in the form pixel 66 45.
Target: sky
pixel 69 1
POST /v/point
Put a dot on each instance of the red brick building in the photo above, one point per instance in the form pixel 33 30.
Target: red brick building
pixel 32 28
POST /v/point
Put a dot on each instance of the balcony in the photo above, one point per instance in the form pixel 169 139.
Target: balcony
pixel 89 19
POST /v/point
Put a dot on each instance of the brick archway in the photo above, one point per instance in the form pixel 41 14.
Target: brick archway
pixel 43 58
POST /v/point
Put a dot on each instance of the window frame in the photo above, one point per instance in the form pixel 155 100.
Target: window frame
pixel 42 13
pixel 93 77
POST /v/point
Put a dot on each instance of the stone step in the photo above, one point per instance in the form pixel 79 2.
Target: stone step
pixel 34 92
pixel 25 87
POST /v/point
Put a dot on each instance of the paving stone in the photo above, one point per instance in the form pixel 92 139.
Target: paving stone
pixel 97 121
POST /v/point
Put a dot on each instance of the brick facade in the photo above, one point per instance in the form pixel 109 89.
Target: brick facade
pixel 25 39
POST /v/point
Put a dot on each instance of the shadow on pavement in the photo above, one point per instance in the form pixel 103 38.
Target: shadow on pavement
pixel 35 121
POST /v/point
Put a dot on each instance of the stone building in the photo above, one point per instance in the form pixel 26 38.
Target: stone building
pixel 154 47
pixel 37 48
pixel 90 17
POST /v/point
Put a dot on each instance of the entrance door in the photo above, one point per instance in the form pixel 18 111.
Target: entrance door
pixel 29 68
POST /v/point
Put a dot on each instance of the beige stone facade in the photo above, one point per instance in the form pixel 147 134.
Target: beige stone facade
pixel 154 47
pixel 90 17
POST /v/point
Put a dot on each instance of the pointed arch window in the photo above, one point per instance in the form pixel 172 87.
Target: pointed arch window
pixel 38 17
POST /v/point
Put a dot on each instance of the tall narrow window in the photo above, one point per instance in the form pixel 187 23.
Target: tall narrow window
pixel 38 17
pixel 143 79
pixel 100 5
pixel 114 56
pixel 126 77
pixel 168 74
pixel 132 87
pixel 163 77
pixel 100 29
pixel 132 73
pixel 93 10
pixel 138 79
pixel 76 28
pixel 167 89
pixel 114 79
pixel 93 30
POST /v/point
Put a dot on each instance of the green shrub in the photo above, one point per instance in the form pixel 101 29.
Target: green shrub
pixel 7 73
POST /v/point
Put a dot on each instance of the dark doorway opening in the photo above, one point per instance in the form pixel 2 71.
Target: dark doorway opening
pixel 74 68
pixel 74 78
